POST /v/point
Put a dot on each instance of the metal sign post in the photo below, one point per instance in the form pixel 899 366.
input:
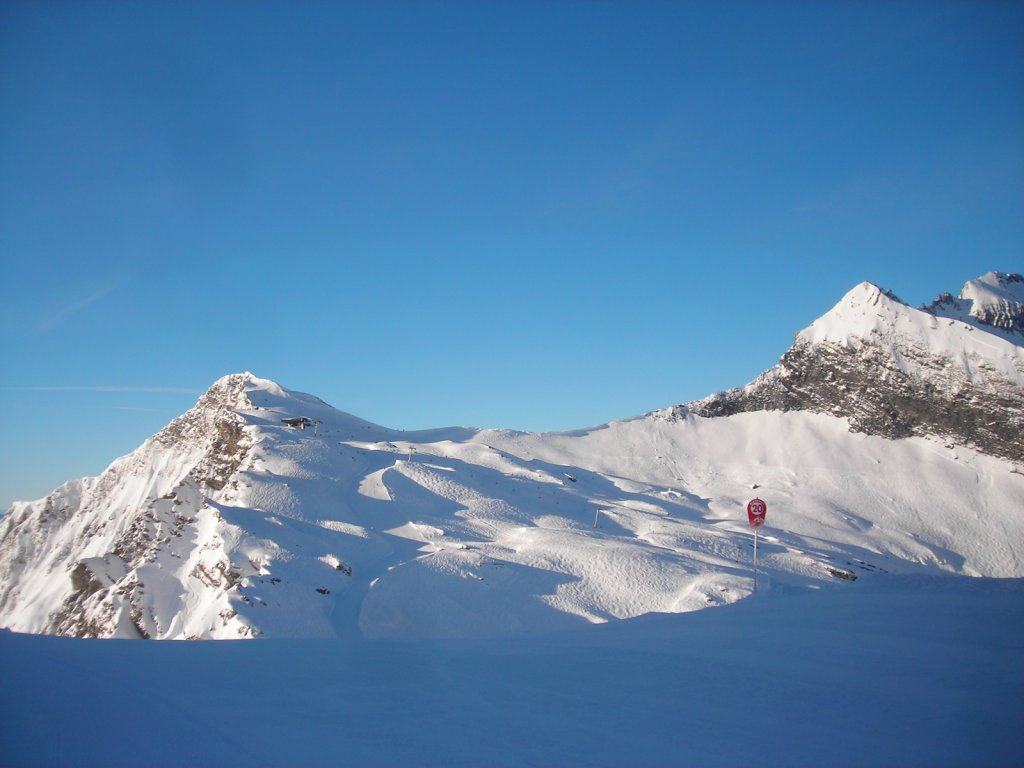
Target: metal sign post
pixel 756 511
pixel 755 559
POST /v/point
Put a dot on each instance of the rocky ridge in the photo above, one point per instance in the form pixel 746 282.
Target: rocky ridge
pixel 993 301
pixel 897 372
pixel 102 531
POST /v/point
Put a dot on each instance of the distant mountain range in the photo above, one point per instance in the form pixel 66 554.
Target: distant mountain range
pixel 887 440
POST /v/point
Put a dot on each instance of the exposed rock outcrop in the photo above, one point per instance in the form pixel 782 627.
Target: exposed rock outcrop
pixel 898 372
pixel 140 508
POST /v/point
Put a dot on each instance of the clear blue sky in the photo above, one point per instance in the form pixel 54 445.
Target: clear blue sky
pixel 525 215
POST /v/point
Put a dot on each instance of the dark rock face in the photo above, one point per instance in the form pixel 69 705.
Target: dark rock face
pixel 214 423
pixel 951 370
pixel 867 387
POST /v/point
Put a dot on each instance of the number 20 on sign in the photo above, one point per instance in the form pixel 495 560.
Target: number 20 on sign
pixel 756 510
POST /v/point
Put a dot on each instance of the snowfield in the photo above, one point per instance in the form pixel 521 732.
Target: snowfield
pixel 888 671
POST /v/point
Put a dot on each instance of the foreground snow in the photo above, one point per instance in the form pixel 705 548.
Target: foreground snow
pixel 889 670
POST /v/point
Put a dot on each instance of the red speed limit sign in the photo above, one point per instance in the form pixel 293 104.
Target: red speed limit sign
pixel 756 510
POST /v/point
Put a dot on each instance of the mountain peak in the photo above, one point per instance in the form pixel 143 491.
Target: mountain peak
pixel 954 369
pixel 993 302
pixel 1011 283
pixel 872 293
pixel 866 308
pixel 245 381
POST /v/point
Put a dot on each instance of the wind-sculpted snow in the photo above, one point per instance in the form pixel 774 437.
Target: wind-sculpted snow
pixel 887 440
pixel 232 524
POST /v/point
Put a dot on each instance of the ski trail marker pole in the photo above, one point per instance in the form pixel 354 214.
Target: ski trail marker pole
pixel 756 511
pixel 755 559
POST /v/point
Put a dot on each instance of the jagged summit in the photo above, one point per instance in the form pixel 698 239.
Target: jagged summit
pixel 916 341
pixel 993 301
pixel 256 400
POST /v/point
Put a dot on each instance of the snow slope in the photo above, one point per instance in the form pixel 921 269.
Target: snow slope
pixel 486 597
pixel 886 440
pixel 915 338
pixel 995 301
pixel 350 529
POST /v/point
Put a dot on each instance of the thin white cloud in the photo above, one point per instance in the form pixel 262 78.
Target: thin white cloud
pixel 62 314
pixel 77 388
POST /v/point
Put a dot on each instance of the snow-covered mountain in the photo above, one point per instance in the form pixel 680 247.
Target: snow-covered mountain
pixel 266 512
pixel 993 301
pixel 953 370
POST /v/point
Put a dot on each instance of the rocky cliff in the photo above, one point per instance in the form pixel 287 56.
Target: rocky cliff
pixel 952 370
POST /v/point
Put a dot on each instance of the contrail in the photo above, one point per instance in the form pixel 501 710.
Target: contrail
pixel 78 388
pixel 62 314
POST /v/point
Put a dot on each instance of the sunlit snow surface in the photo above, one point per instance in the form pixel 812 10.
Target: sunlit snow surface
pixel 348 529
pixel 951 336
pixel 470 614
pixel 461 533
pixel 992 303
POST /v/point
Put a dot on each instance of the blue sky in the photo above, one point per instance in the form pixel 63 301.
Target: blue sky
pixel 526 215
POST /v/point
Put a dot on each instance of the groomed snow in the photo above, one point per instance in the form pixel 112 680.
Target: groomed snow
pixel 893 670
